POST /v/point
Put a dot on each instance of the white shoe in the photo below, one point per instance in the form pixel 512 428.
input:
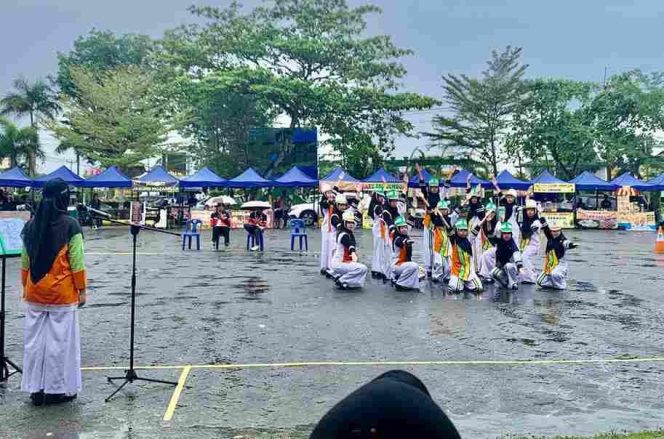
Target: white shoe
pixel 255 248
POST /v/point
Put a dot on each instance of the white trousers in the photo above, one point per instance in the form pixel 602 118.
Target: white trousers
pixel 52 356
pixel 473 283
pixel 557 279
pixel 427 243
pixel 352 274
pixel 327 245
pixel 508 276
pixel 407 275
pixel 441 268
pixel 530 256
pixel 380 261
pixel 487 263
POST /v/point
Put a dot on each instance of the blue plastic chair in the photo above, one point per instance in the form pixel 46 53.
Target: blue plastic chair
pixel 298 230
pixel 191 231
pixel 251 240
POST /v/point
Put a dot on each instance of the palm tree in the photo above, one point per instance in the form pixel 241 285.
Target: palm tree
pixel 19 144
pixel 38 101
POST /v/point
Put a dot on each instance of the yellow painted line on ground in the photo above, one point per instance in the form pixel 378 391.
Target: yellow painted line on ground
pixel 303 364
pixel 176 394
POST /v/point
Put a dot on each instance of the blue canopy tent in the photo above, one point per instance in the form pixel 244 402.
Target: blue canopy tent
pixel 415 179
pixel 381 176
pixel 62 172
pixel 460 179
pixel 249 179
pixel 506 180
pixel 295 178
pixel 657 182
pixel 587 181
pixel 628 179
pixel 339 173
pixel 110 178
pixel 158 176
pixel 15 177
pixel 546 178
pixel 203 178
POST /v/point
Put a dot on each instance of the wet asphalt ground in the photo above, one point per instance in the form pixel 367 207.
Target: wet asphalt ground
pixel 237 307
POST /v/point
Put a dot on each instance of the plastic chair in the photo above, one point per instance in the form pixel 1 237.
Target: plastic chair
pixel 251 240
pixel 298 230
pixel 191 231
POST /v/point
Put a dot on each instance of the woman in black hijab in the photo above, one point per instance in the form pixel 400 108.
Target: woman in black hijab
pixel 54 283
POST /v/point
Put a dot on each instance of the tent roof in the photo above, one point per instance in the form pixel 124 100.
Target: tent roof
pixel 414 181
pixel 587 181
pixel 110 178
pixel 628 179
pixel 203 178
pixel 657 182
pixel 506 180
pixel 546 178
pixel 295 178
pixel 460 179
pixel 15 177
pixel 62 172
pixel 337 172
pixel 157 176
pixel 381 175
pixel 249 179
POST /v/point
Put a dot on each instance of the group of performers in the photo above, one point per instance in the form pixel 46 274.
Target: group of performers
pixel 467 246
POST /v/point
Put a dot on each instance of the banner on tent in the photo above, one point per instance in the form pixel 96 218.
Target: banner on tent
pixel 554 188
pixel 597 219
pixel 383 186
pixel 562 219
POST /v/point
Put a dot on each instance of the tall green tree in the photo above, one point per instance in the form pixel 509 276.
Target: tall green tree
pixel 37 101
pixel 553 128
pixel 309 60
pixel 18 144
pixel 629 113
pixel 480 109
pixel 114 119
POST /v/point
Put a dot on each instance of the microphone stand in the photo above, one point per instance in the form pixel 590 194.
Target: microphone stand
pixel 4 361
pixel 130 374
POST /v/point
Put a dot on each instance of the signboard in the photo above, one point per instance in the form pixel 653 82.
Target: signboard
pixel 562 219
pixel 136 215
pixel 554 188
pixel 11 242
pixel 597 219
pixel 637 221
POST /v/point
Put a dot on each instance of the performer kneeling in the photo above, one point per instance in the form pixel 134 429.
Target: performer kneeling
pixel 508 258
pixel 54 282
pixel 405 272
pixel 347 271
pixel 462 265
pixel 554 274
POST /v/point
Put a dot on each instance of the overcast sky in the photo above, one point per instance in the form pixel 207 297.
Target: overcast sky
pixel 561 38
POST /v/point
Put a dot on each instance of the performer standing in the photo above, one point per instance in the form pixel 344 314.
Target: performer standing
pixel 405 272
pixel 442 227
pixel 348 272
pixel 554 274
pixel 462 265
pixel 431 196
pixel 484 243
pixel 530 242
pixel 508 201
pixel 381 236
pixel 327 231
pixel 220 220
pixel 508 259
pixel 54 283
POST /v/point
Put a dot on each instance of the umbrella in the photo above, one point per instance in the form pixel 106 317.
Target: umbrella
pixel 224 199
pixel 256 205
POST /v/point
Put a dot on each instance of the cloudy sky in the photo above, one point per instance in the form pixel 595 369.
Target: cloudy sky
pixel 576 39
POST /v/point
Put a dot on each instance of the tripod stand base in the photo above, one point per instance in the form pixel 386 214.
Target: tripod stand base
pixel 4 369
pixel 130 377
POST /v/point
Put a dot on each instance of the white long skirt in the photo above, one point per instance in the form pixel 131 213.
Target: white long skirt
pixel 52 356
pixel 441 268
pixel 487 263
pixel 530 255
pixel 380 262
pixel 352 274
pixel 557 280
pixel 327 245
pixel 407 275
pixel 427 244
